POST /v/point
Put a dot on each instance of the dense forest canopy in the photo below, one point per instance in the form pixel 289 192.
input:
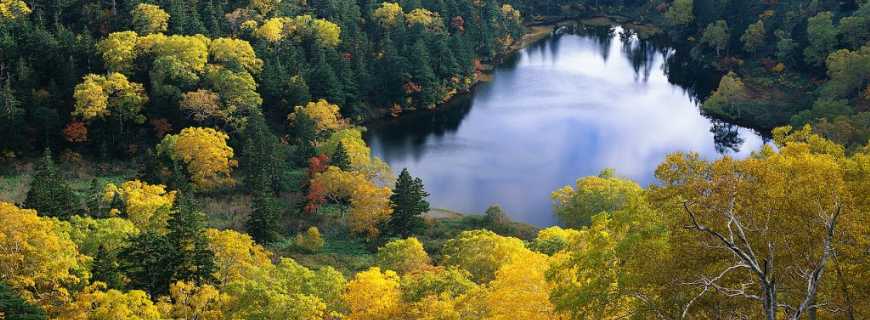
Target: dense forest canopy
pixel 204 160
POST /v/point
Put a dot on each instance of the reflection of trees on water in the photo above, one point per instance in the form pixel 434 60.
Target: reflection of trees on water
pixel 413 129
pixel 725 137
pixel 640 53
pixel 601 35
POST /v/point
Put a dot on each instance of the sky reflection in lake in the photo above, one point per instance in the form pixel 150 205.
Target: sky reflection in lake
pixel 564 108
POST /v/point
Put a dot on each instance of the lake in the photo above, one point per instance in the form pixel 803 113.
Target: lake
pixel 564 108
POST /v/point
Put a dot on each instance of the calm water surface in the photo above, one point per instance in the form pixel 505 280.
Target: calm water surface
pixel 564 108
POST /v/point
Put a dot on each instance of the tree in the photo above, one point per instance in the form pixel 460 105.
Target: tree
pixel 189 301
pixel 351 140
pixel 105 268
pixel 369 203
pixel 754 37
pixel 553 240
pixel 304 134
pixel 309 241
pixel 119 50
pixel 408 202
pixel 38 258
pixel 680 12
pixel 91 234
pixel 592 195
pixel 204 153
pixel 481 253
pixel 340 158
pixel 11 10
pixel 16 308
pixel 403 256
pixel 263 224
pixel 373 295
pixel 147 206
pixel 822 36
pixel 753 227
pixel 237 257
pixel 325 115
pixel 98 97
pixel 521 291
pixel 716 36
pixel 148 261
pixel 727 97
pixel 149 18
pixel 192 259
pixel 97 303
pixel 49 193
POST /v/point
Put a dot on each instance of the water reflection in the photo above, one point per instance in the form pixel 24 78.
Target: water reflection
pixel 564 108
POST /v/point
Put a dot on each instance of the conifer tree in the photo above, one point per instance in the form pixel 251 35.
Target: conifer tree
pixel 408 202
pixel 13 307
pixel 147 261
pixel 423 74
pixel 105 268
pixel 258 156
pixel 304 134
pixel 340 158
pixel 263 224
pixel 49 193
pixel 192 260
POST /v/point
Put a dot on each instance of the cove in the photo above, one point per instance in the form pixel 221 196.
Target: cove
pixel 566 107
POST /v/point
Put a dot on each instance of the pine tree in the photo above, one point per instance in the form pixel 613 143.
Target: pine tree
pixel 49 193
pixel 192 260
pixel 13 307
pixel 423 74
pixel 147 261
pixel 304 134
pixel 322 81
pixel 340 158
pixel 105 268
pixel 408 202
pixel 258 156
pixel 263 224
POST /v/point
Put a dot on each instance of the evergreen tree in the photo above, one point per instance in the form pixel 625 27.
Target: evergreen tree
pixel 147 261
pixel 105 268
pixel 423 74
pixel 408 202
pixel 263 224
pixel 340 158
pixel 322 81
pixel 258 156
pixel 13 307
pixel 304 134
pixel 49 193
pixel 192 260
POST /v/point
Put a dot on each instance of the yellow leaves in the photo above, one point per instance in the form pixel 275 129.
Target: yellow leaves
pixel 205 154
pixel 119 50
pixel 351 138
pixel 422 16
pixel 146 206
pixel 553 239
pixel 326 116
pixel 202 105
pixel 310 240
pixel 520 290
pixel 189 301
pixel 111 95
pixel 388 14
pixel 110 233
pixel 13 9
pixel 95 303
pixel 373 295
pixel 370 204
pixel 508 12
pixel 403 256
pixel 592 195
pixel 482 253
pixel 263 6
pixel 235 53
pixel 35 257
pixel 237 256
pixel 298 28
pixel 149 18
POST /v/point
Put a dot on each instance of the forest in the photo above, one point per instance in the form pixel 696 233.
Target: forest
pixel 205 160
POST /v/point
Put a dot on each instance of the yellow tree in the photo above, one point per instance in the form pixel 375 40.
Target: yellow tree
pixel 35 258
pixel 369 203
pixel 204 153
pixel 326 116
pixel 236 54
pixel 98 97
pixel 575 206
pixel 110 233
pixel 96 303
pixel 353 143
pixel 403 256
pixel 119 50
pixel 389 14
pixel 373 295
pixel 188 301
pixel 146 206
pixel 482 253
pixel 236 255
pixel 774 221
pixel 521 291
pixel 11 10
pixel 553 239
pixel 149 18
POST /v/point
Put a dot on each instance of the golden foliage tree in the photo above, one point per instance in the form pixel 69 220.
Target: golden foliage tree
pixel 482 253
pixel 112 95
pixel 204 153
pixel 373 295
pixel 403 256
pixel 369 203
pixel 149 18
pixel 146 206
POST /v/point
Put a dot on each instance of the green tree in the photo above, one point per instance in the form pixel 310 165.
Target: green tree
pixel 13 307
pixel 49 193
pixel 262 224
pixel 408 202
pixel 304 134
pixel 340 158
pixel 753 38
pixel 147 261
pixel 680 13
pixel 105 268
pixel 716 36
pixel 423 75
pixel 822 36
pixel 259 159
pixel 192 260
